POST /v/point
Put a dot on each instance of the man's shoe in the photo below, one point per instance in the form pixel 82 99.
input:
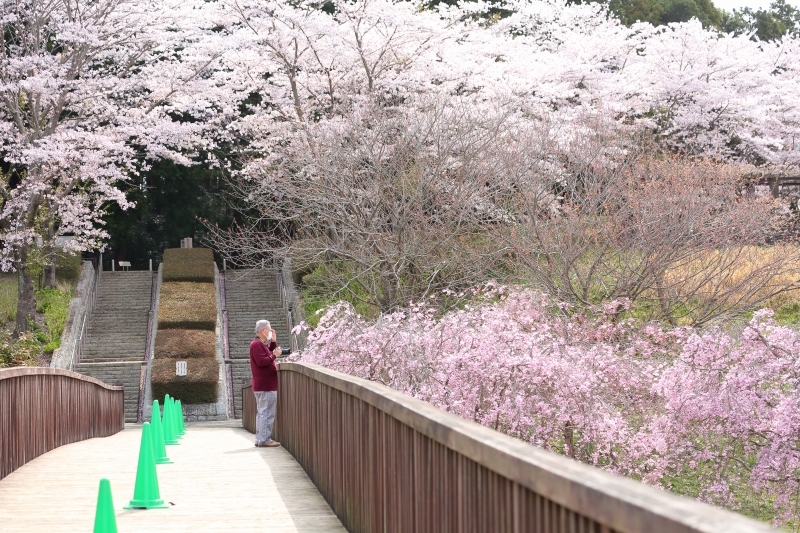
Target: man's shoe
pixel 272 444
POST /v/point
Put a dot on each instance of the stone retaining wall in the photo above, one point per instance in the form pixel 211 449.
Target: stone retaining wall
pixel 79 308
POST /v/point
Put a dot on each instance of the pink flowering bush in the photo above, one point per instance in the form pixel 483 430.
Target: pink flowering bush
pixel 708 414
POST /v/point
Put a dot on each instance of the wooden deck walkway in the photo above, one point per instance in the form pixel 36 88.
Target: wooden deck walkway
pixel 219 482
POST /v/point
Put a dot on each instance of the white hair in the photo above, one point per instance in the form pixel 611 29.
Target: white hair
pixel 261 324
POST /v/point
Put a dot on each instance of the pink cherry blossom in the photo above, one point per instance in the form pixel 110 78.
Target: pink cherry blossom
pixel 645 402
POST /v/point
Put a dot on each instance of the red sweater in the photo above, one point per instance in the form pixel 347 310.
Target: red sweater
pixel 262 365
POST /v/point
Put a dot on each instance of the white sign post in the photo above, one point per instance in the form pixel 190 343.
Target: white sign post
pixel 180 368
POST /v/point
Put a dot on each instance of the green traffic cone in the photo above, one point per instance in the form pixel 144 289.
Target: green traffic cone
pixel 146 494
pixel 170 436
pixel 176 417
pixel 173 413
pixel 179 411
pixel 159 450
pixel 104 519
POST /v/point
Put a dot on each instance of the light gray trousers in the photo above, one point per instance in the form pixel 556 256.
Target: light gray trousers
pixel 266 402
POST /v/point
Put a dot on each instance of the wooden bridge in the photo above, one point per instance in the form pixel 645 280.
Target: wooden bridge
pixel 356 456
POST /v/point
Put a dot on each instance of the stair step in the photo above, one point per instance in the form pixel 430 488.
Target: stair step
pixel 116 333
pixel 111 373
pixel 250 295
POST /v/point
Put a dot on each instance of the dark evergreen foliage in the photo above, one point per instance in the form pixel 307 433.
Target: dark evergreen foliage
pixel 766 25
pixel 171 202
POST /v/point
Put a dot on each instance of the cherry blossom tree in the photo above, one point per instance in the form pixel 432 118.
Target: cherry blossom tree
pixel 709 414
pixel 397 204
pixel 89 91
pixel 708 94
pixel 639 401
pixel 301 69
pixel 306 72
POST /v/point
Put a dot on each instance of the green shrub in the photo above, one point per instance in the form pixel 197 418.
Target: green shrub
pixel 320 289
pixel 25 351
pixel 51 347
pixel 185 344
pixel 199 385
pixel 187 305
pixel 68 267
pixel 54 303
pixel 188 264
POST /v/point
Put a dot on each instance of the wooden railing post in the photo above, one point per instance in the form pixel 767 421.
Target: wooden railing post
pixel 248 409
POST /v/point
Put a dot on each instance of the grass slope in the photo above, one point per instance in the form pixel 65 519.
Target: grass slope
pixel 188 264
pixel 185 344
pixel 187 305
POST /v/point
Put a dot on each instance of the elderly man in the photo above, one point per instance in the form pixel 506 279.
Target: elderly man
pixel 263 351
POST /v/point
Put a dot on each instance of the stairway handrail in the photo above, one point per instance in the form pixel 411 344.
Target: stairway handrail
pixel 77 348
pixel 287 309
pixel 148 351
pixel 289 300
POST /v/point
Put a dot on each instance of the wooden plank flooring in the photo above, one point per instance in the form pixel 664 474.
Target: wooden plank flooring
pixel 219 482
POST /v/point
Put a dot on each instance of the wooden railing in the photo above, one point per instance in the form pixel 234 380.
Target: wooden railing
pixel 386 462
pixel 44 408
pixel 248 409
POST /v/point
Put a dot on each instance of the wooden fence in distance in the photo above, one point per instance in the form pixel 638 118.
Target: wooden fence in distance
pixel 386 462
pixel 43 408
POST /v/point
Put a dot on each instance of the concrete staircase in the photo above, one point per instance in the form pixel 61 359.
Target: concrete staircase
pixel 116 333
pixel 126 373
pixel 251 295
pixel 117 328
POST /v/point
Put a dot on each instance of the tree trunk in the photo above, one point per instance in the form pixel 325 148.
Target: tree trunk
pixel 26 302
pixel 389 290
pixel 569 440
pixel 50 273
pixel 50 255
